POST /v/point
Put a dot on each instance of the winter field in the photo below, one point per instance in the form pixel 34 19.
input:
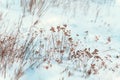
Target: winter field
pixel 59 39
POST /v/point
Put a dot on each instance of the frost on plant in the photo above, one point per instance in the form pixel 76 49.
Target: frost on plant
pixel 59 40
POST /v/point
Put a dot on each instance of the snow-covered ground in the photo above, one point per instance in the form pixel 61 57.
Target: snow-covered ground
pixel 101 22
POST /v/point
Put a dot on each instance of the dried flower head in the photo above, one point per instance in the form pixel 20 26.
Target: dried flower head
pixel 52 29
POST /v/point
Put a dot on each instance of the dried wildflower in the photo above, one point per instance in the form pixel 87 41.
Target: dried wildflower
pixel 52 29
pixel 72 49
pixel 92 65
pixel 37 52
pixel 70 39
pixel 109 39
pixel 62 28
pixel 61 51
pixel 65 25
pixel 89 72
pixel 98 57
pixel 89 54
pixel 58 60
pixel 58 42
pixel 44 59
pixel 46 67
pixel 58 28
pixel 95 51
pixel 66 33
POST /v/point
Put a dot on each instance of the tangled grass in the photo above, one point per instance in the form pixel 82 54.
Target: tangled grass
pixel 39 46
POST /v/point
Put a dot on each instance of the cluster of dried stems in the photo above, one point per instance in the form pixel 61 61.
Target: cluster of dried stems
pixel 40 6
pixel 31 50
pixel 38 46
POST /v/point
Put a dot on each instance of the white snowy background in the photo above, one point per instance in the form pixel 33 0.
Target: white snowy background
pixel 106 24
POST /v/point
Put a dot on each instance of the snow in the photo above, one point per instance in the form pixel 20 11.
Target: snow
pixel 106 25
